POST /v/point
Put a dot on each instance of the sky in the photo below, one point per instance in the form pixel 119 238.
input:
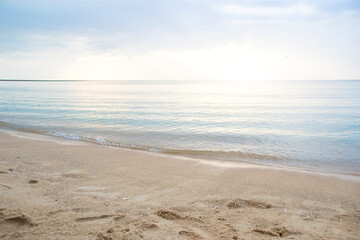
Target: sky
pixel 180 40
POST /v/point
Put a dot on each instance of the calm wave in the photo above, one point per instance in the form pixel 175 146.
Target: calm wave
pixel 307 124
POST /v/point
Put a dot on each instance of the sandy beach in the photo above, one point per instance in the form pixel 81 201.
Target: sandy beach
pixel 54 190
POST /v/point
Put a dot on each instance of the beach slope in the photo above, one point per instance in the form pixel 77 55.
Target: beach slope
pixel 50 190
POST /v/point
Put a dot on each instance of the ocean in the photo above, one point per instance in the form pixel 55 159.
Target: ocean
pixel 311 125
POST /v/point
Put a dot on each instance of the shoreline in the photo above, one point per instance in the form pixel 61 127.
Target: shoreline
pixel 60 191
pixel 212 162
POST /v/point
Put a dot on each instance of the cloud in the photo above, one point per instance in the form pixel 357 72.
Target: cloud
pixel 180 39
pixel 299 10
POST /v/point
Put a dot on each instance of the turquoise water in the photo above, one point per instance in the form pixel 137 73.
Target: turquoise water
pixel 306 124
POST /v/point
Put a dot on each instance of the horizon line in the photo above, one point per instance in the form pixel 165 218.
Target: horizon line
pixel 93 80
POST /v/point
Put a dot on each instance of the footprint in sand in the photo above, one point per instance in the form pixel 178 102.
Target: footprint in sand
pixel 5 186
pixel 147 225
pixel 275 232
pixel 198 227
pixel 33 181
pixel 169 215
pixel 15 217
pixel 190 235
pixel 241 203
pixel 93 218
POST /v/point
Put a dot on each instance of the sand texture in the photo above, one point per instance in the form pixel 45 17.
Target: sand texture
pixel 60 191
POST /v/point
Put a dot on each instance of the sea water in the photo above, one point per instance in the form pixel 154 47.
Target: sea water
pixel 313 125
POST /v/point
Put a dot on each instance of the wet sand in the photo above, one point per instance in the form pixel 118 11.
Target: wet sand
pixel 52 190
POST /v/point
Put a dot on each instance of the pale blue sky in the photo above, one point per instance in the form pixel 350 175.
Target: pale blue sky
pixel 230 40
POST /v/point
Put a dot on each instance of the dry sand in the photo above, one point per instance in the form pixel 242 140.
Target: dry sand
pixel 56 191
